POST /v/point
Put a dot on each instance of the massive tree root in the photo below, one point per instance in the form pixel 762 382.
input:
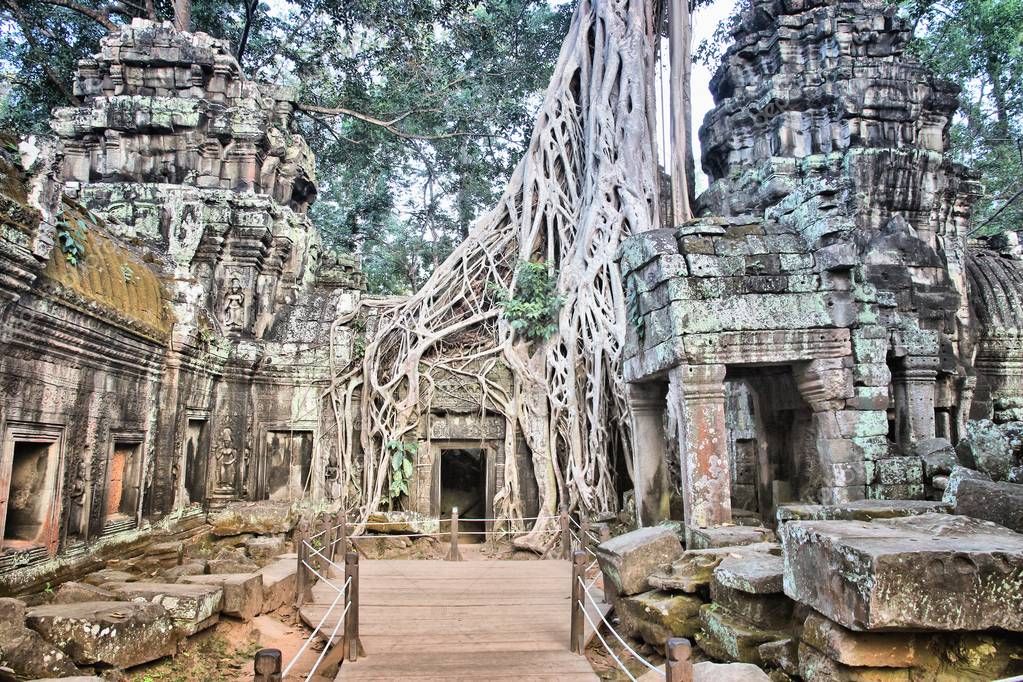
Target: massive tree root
pixel 585 183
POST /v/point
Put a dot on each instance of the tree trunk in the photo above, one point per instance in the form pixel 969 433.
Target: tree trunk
pixel 183 15
pixel 585 184
pixel 679 39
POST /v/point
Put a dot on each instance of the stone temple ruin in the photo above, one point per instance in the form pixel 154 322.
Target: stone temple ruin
pixel 824 356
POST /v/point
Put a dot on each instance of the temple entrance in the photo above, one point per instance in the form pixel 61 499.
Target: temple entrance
pixel 195 462
pixel 124 474
pixel 283 470
pixel 463 484
pixel 28 488
pixel 770 444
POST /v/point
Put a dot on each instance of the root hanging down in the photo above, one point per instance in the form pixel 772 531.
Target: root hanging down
pixel 586 182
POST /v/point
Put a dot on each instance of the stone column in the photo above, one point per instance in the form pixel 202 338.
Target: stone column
pixel 650 477
pixel 914 383
pixel 706 478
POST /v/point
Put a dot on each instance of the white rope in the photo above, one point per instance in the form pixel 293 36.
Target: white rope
pixel 317 574
pixel 305 644
pixel 596 631
pixel 593 537
pixel 333 634
pixel 326 558
pixel 617 636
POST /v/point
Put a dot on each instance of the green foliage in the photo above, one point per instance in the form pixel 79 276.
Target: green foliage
pixel 978 44
pixel 532 310
pixel 128 274
pixel 71 240
pixel 402 466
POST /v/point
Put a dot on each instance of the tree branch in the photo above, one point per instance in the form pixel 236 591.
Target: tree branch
pixel 389 126
pixel 24 24
pixel 101 18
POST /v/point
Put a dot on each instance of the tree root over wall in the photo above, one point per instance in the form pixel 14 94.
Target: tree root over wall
pixel 585 183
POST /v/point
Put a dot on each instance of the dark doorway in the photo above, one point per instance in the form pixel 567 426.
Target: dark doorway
pixel 463 484
pixel 28 499
pixel 284 469
pixel 195 461
pixel 771 441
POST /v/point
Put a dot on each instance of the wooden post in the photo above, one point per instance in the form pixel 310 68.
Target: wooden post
pixel 584 534
pixel 679 666
pixel 604 534
pixel 267 666
pixel 302 550
pixel 453 553
pixel 341 536
pixel 566 535
pixel 352 644
pixel 576 638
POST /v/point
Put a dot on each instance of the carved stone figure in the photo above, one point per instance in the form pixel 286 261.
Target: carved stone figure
pixel 234 305
pixel 226 456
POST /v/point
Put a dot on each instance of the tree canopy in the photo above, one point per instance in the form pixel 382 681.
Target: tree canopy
pixel 417 110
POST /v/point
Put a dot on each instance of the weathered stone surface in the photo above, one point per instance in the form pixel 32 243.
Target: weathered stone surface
pixel 986 449
pixel 261 518
pixel 279 578
pixel 24 652
pixel 264 548
pixel 695 568
pixel 728 637
pixel 628 559
pixel 782 654
pixel 708 671
pixel 859 510
pixel 865 649
pixel 108 575
pixel 119 634
pixel 767 611
pixel 1001 503
pixel 756 573
pixel 655 616
pixel 74 593
pixel 728 536
pixel 231 560
pixel 938 456
pixel 932 571
pixel 402 522
pixel 191 607
pixel 815 666
pixel 958 475
pixel 243 592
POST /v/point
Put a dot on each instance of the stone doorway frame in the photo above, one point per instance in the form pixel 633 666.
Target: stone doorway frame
pixel 138 439
pixel 42 433
pixel 257 465
pixel 489 454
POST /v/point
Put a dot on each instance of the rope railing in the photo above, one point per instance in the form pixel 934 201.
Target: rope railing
pixel 677 667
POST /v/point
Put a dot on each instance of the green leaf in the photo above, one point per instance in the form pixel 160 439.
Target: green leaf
pixel 406 468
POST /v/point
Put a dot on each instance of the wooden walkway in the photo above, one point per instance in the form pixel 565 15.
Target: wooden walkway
pixel 469 620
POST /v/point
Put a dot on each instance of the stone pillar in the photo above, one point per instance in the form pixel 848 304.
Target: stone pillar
pixel 706 478
pixel 914 384
pixel 650 477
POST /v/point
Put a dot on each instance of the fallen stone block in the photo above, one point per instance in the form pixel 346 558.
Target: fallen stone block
pixel 815 666
pixel 782 654
pixel 860 510
pixel 695 568
pixel 1000 503
pixel 260 518
pixel 768 611
pixel 279 578
pixel 402 523
pixel 118 634
pixel 938 456
pixel 728 637
pixel 24 653
pixel 243 592
pixel 986 449
pixel 191 607
pixel 928 572
pixel 707 671
pixel 73 593
pixel 727 536
pixel 656 616
pixel 756 573
pixel 958 475
pixel 628 560
pixel 865 649
pixel 109 575
pixel 264 549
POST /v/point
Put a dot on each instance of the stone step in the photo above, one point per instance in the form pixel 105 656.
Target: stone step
pixel 191 607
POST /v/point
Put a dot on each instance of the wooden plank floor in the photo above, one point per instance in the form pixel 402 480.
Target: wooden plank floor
pixel 469 620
